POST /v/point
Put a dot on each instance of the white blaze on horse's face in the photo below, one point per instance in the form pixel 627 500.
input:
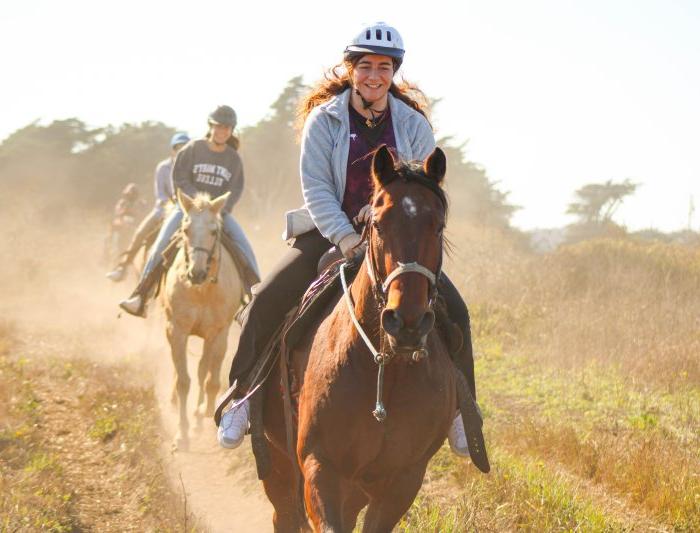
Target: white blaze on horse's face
pixel 409 207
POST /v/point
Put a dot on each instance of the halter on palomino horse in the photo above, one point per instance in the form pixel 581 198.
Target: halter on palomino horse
pixel 348 457
pixel 202 291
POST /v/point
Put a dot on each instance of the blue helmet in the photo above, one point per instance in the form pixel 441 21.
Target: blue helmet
pixel 179 138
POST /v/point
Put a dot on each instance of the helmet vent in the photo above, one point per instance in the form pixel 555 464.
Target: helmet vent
pixel 388 36
pixel 368 34
pixel 378 34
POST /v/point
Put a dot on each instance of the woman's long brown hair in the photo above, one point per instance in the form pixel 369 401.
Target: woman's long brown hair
pixel 337 79
pixel 233 141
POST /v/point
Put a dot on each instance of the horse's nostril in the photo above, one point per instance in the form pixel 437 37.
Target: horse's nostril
pixel 426 323
pixel 391 321
pixel 196 277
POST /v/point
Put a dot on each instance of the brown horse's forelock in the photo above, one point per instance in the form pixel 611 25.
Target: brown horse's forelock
pixel 413 172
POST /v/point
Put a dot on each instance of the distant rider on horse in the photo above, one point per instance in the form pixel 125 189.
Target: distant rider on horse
pixel 210 165
pixel 163 185
pixel 347 116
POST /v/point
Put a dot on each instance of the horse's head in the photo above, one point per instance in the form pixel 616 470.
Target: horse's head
pixel 404 254
pixel 201 227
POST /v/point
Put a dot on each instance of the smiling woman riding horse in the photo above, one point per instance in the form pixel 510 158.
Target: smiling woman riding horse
pixel 345 118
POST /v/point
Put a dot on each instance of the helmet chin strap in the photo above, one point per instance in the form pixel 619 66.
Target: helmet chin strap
pixel 367 105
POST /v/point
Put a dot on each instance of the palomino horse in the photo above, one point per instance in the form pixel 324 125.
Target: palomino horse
pixel 347 457
pixel 201 293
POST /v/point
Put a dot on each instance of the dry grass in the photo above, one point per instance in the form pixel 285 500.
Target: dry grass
pixel 588 370
pixel 623 303
pixel 80 449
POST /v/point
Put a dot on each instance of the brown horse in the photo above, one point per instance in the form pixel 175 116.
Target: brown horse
pixel 346 457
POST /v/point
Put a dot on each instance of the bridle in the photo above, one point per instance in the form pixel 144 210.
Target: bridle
pixel 379 289
pixel 209 251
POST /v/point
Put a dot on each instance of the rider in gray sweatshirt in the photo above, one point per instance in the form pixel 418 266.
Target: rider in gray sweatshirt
pixel 201 166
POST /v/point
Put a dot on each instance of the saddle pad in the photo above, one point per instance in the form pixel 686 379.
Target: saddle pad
pixel 321 291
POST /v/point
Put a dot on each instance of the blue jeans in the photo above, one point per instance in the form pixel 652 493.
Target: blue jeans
pixel 172 223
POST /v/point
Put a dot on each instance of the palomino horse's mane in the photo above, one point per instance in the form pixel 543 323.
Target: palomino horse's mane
pixel 412 171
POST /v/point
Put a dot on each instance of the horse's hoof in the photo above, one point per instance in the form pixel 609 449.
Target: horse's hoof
pixel 181 444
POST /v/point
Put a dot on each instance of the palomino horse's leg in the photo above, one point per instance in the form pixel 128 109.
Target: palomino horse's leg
pixel 391 502
pixel 322 493
pixel 214 350
pixel 178 352
pixel 173 395
pixel 202 371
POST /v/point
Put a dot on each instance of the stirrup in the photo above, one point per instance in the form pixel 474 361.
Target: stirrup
pixel 140 312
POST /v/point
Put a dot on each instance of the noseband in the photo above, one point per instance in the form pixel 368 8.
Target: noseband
pixel 380 288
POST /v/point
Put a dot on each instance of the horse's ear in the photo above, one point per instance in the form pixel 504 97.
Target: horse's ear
pixel 383 165
pixel 185 201
pixel 435 166
pixel 218 204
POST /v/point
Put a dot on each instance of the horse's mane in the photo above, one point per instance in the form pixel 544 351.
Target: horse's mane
pixel 202 200
pixel 412 171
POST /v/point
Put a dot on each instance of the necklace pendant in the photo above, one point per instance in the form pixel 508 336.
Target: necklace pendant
pixel 370 123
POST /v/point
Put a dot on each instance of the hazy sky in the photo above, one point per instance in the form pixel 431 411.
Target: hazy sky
pixel 550 95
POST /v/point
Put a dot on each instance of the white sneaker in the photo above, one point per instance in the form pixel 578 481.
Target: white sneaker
pixel 117 274
pixel 233 426
pixel 457 438
pixel 134 306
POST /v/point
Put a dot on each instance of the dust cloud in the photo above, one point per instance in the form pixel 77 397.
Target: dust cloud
pixel 53 290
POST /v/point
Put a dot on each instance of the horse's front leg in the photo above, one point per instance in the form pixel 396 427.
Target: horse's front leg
pixel 388 503
pixel 214 352
pixel 323 494
pixel 178 352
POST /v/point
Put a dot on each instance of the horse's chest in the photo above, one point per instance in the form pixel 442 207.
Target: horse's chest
pixel 200 312
pixel 419 404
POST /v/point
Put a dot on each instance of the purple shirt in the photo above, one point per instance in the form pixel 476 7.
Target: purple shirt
pixel 358 186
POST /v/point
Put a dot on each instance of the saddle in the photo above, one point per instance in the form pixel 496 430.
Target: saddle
pixel 317 297
pixel 319 294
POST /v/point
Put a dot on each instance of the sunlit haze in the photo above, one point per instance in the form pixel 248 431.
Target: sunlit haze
pixel 549 95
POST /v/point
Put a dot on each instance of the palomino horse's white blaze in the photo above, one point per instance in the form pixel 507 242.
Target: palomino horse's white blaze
pixel 200 302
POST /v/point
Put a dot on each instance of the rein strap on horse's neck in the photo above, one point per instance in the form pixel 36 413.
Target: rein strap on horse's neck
pixel 351 308
pixel 380 358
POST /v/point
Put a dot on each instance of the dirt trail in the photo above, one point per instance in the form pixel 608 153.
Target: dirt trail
pixel 220 485
pixel 63 295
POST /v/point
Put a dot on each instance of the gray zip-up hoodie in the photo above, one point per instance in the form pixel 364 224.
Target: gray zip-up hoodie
pixel 325 144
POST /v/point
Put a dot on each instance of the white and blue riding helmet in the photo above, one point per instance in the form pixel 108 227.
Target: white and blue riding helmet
pixel 179 138
pixel 378 39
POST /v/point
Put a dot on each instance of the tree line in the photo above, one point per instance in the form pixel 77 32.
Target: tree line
pixel 69 163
